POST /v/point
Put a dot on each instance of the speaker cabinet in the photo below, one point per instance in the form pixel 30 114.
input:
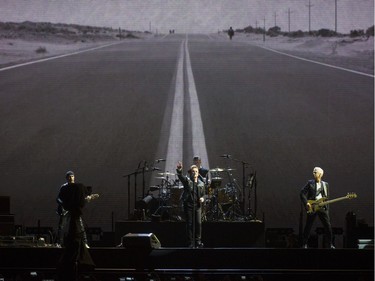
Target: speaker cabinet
pixel 145 241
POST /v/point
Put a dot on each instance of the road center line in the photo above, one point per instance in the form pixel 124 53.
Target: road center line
pixel 175 142
pixel 198 138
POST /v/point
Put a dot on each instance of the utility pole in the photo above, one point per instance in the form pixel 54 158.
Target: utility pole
pixel 275 15
pixel 335 16
pixel 310 14
pixel 289 20
pixel 264 26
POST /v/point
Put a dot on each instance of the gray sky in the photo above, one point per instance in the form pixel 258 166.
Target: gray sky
pixel 193 15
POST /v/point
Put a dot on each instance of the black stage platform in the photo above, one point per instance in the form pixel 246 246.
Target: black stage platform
pixel 143 263
pixel 233 251
pixel 214 234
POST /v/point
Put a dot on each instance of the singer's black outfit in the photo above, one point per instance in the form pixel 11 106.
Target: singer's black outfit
pixel 192 209
pixel 75 256
pixel 309 192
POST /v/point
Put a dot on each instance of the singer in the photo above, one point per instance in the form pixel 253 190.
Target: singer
pixel 192 197
pixel 202 172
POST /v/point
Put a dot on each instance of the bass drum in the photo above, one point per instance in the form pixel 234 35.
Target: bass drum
pixel 149 204
pixel 225 195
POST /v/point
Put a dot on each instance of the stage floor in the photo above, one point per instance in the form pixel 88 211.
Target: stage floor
pixel 142 263
pixel 214 234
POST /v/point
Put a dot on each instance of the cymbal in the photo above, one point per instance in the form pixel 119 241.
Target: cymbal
pixel 230 169
pixel 216 179
pixel 217 170
pixel 160 178
pixel 166 174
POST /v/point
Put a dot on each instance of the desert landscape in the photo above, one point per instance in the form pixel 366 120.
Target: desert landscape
pixel 27 41
pixel 355 53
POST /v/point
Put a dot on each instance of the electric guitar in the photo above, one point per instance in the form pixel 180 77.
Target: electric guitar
pixel 62 212
pixel 316 205
pixel 91 197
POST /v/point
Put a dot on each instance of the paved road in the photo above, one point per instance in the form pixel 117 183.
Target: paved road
pixel 106 112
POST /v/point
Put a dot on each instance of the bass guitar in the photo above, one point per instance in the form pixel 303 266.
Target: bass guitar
pixel 316 205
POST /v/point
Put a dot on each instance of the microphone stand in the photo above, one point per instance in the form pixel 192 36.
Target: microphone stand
pixel 194 213
pixel 142 170
pixel 255 195
pixel 135 187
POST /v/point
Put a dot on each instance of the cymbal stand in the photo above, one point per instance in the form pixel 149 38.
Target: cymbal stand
pixel 252 184
pixel 165 185
pixel 244 166
pixel 216 211
pixel 235 209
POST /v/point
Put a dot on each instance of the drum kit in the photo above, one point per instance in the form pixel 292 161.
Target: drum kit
pixel 223 194
pixel 163 200
pixel 223 201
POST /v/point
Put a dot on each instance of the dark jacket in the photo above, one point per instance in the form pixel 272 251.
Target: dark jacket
pixel 72 197
pixel 308 192
pixel 188 196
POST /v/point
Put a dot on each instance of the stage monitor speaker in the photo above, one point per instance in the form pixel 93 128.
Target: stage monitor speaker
pixel 140 241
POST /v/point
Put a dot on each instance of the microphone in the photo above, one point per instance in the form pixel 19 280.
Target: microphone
pixel 225 156
pixel 159 160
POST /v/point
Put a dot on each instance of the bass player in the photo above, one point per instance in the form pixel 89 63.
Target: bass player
pixel 316 189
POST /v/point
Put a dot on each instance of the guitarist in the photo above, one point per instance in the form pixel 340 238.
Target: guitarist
pixel 76 256
pixel 64 215
pixel 316 189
